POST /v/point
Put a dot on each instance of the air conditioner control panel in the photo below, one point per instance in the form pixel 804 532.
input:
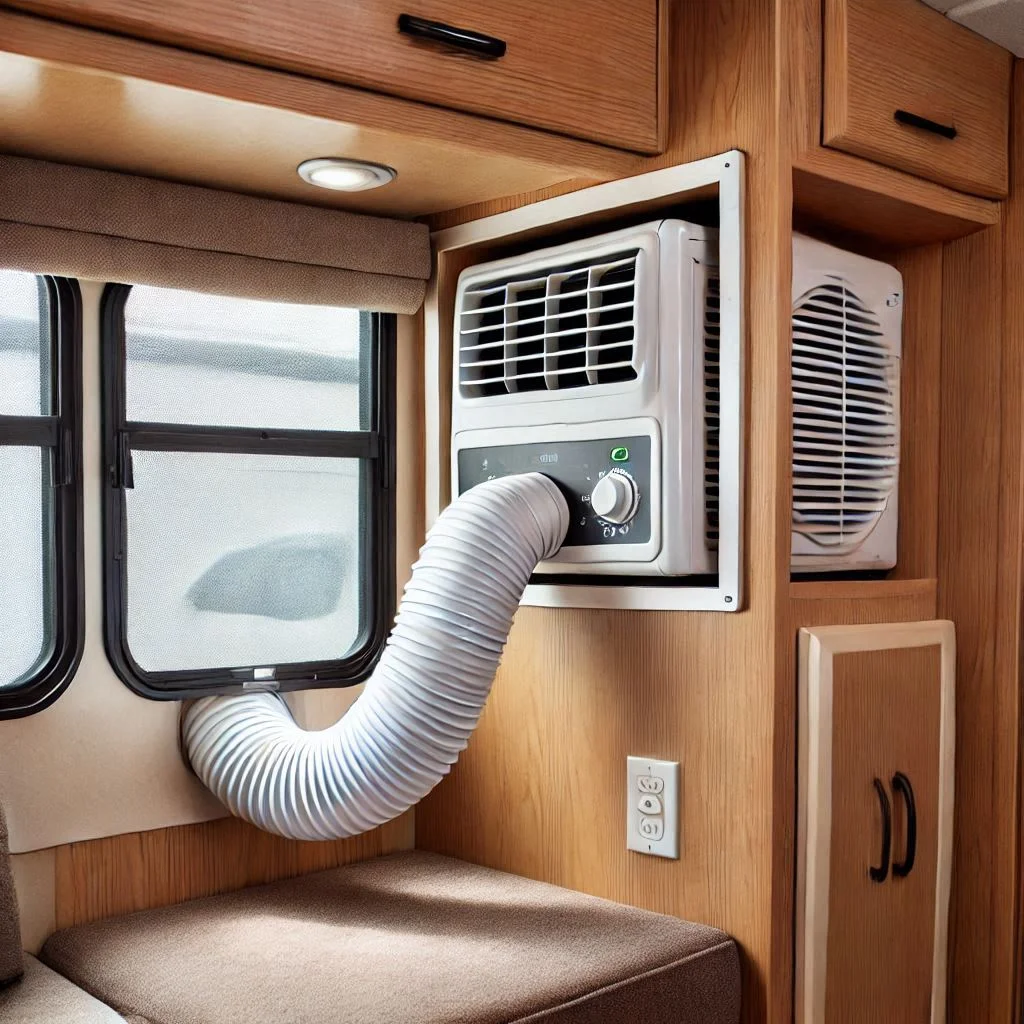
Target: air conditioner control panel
pixel 607 483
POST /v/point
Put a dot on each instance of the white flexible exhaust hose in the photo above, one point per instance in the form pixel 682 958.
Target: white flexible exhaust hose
pixel 422 702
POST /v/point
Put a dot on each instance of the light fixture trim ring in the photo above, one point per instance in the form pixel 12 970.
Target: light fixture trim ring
pixel 317 172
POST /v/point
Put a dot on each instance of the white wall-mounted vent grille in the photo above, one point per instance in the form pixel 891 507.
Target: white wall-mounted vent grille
pixel 846 436
pixel 560 327
pixel 712 403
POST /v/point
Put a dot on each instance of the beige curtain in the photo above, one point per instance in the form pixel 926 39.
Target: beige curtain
pixel 104 225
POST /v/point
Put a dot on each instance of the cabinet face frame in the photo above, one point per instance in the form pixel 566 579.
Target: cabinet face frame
pixel 818 649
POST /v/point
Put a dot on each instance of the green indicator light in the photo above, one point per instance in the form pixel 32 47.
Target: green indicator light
pixel 620 454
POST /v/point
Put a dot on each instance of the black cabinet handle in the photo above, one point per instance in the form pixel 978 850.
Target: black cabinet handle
pixel 947 131
pixel 901 784
pixel 881 873
pixel 475 43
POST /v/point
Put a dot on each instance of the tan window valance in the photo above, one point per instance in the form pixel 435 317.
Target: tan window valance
pixel 105 225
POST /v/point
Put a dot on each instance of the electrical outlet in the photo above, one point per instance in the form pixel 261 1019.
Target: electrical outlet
pixel 652 807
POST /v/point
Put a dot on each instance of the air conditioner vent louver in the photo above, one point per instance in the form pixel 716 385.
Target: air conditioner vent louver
pixel 562 327
pixel 712 404
pixel 845 417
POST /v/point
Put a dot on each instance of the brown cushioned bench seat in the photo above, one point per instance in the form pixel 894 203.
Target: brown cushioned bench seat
pixel 42 996
pixel 412 938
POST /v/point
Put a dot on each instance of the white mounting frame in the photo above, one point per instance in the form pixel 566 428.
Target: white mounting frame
pixel 671 184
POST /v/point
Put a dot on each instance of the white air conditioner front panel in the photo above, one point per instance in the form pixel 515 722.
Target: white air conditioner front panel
pixel 584 342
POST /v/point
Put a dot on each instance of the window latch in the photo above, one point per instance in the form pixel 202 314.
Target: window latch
pixel 387 468
pixel 64 461
pixel 121 471
pixel 261 680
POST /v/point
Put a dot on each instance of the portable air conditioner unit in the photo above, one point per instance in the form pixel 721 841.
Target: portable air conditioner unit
pixel 596 362
pixel 847 331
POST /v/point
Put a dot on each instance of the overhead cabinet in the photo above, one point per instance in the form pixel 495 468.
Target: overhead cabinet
pixel 586 70
pixel 908 88
pixel 875 822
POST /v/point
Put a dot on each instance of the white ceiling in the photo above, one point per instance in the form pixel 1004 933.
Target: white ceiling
pixel 1002 21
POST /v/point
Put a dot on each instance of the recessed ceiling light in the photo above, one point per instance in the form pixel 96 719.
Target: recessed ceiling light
pixel 344 175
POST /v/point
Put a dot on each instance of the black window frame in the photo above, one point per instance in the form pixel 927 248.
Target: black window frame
pixel 61 433
pixel 375 447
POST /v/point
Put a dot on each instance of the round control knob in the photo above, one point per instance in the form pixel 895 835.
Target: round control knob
pixel 615 497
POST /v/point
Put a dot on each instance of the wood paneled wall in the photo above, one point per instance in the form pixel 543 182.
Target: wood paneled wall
pixel 968 574
pixel 541 789
pixel 962 419
pixel 981 541
pixel 1008 872
pixel 106 877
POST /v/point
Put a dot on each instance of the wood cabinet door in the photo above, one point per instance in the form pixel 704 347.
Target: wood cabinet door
pixel 876 791
pixel 589 70
pixel 908 88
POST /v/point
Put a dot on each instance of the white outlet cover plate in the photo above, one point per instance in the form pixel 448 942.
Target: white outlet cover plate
pixel 647 830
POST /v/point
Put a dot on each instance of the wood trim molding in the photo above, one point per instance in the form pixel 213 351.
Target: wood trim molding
pixel 883 203
pixel 665 14
pixel 970 560
pixel 862 590
pixel 1007 982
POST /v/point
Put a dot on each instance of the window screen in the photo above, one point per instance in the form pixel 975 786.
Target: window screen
pixel 40 484
pixel 249 513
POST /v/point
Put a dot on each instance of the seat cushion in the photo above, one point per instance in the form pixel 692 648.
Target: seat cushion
pixel 43 995
pixel 412 938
